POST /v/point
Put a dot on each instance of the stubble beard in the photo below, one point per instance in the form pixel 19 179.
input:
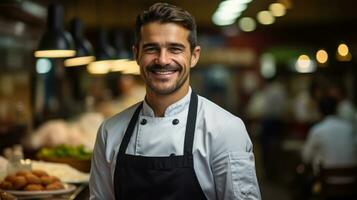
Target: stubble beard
pixel 168 90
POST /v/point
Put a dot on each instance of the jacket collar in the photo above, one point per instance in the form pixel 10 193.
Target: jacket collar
pixel 175 108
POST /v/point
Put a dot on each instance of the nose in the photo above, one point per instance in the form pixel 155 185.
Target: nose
pixel 163 58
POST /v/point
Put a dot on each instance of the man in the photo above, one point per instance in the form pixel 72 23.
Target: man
pixel 175 144
pixel 331 142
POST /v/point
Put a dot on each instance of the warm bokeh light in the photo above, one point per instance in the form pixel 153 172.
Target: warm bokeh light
pixel 78 61
pixel 304 64
pixel 277 9
pixel 99 67
pixel 342 49
pixel 132 68
pixel 55 53
pixel 265 17
pixel 119 65
pixel 321 56
pixel 247 24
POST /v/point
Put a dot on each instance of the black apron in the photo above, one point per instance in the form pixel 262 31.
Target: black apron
pixel 156 178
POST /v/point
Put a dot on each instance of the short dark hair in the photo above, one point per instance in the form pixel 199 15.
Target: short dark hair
pixel 328 105
pixel 167 13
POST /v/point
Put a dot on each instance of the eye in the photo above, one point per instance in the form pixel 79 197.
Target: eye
pixel 150 50
pixel 176 50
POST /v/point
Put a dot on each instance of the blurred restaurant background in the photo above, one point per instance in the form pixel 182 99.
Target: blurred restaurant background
pixel 266 61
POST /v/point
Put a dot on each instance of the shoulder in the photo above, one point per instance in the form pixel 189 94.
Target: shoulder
pixel 223 127
pixel 214 111
pixel 119 122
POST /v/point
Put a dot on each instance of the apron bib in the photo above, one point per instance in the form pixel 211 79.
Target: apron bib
pixel 156 178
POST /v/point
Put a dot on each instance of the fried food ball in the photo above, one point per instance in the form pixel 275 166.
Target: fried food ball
pixel 55 178
pixel 10 178
pixel 33 187
pixel 19 182
pixel 55 186
pixel 45 180
pixel 6 185
pixel 39 172
pixel 32 179
pixel 22 173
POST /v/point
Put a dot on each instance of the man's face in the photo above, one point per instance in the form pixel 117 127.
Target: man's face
pixel 165 58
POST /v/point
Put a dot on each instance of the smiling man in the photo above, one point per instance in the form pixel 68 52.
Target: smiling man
pixel 175 144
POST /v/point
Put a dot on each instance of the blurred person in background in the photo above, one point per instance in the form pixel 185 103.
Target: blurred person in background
pixel 345 108
pixel 274 101
pixel 331 142
pixel 174 144
pixel 131 91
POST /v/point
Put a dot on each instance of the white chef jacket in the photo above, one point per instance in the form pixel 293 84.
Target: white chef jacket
pixel 222 150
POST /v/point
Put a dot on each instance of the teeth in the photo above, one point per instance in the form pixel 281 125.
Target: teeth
pixel 164 72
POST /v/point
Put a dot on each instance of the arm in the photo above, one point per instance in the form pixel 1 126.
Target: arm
pixel 310 147
pixel 233 164
pixel 100 181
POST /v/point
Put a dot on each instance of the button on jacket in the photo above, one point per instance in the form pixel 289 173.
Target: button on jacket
pixel 222 151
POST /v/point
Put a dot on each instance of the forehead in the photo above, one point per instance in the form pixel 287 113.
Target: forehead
pixel 156 32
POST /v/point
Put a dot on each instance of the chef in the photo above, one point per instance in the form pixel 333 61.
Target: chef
pixel 174 144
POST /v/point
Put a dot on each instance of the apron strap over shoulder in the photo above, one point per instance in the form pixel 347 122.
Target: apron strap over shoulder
pixel 129 131
pixel 191 124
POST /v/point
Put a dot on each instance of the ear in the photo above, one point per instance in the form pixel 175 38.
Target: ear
pixel 135 50
pixel 195 55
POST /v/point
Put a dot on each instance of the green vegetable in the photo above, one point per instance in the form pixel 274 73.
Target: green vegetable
pixel 61 151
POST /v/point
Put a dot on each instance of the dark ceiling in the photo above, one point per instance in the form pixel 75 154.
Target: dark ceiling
pixel 122 13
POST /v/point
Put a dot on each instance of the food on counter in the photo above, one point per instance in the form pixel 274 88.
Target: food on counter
pixel 65 172
pixel 34 180
pixel 82 130
pixel 65 151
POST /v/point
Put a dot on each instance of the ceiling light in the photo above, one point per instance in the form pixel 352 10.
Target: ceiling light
pixel 321 56
pixel 99 67
pixel 343 53
pixel 304 64
pixel 277 9
pixel 84 50
pixel 104 54
pixel 247 24
pixel 265 18
pixel 342 49
pixel 55 42
pixel 222 20
pixel 132 68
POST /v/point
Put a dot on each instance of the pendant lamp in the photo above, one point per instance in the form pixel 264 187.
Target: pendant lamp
pixel 104 54
pixel 55 42
pixel 84 50
pixel 121 53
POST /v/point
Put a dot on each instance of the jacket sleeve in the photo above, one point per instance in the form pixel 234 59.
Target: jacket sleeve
pixel 100 181
pixel 233 164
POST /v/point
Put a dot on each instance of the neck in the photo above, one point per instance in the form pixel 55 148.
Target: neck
pixel 159 103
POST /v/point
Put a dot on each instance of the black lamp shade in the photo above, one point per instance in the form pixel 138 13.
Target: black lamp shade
pixel 82 45
pixel 104 51
pixel 55 38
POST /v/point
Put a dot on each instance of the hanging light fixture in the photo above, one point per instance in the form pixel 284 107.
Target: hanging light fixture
pixel 55 43
pixel 104 54
pixel 121 53
pixel 84 49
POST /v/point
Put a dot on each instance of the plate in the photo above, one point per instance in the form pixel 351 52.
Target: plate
pixel 67 189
